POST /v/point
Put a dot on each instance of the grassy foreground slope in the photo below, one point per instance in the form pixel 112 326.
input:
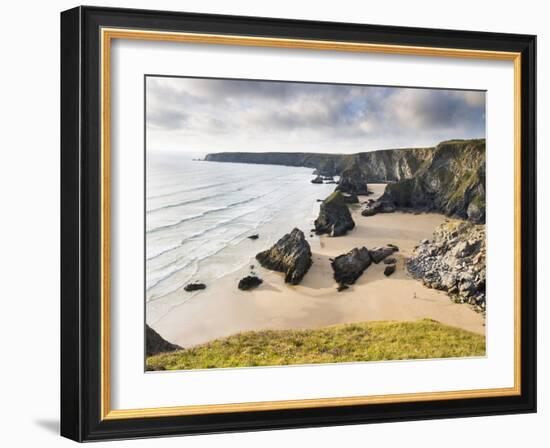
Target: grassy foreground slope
pixel 368 341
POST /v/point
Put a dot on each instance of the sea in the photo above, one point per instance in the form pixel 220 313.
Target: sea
pixel 200 214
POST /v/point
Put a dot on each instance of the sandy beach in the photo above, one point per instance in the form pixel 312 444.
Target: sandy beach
pixel 222 309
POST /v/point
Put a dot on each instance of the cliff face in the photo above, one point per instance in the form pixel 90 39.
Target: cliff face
pixel 451 180
pixel 377 166
pixel 325 164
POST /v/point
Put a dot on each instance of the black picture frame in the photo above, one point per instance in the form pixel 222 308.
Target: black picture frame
pixel 81 224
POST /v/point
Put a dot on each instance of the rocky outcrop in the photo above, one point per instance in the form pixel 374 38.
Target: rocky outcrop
pixel 453 261
pixel 450 181
pixel 290 255
pixel 334 217
pixel 249 282
pixel 353 180
pixel 155 343
pixel 389 270
pixel 349 267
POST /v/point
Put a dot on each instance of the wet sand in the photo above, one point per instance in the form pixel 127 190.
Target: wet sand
pixel 222 309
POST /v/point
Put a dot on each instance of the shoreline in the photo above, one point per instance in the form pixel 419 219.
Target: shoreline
pixel 223 310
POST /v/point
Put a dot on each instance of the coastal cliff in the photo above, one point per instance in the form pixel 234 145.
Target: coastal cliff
pixel 448 178
pixel 450 181
pixel 388 165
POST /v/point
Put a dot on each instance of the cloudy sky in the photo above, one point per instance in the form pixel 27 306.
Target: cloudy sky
pixel 212 115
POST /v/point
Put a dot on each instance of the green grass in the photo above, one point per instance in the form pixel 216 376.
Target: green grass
pixel 368 341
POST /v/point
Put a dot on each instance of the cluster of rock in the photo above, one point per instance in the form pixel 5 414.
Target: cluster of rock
pixel 290 255
pixel 373 207
pixel 334 217
pixel 350 266
pixel 155 343
pixel 453 261
pixel 320 179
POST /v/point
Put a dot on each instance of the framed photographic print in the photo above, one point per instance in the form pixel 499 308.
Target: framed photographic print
pixel 272 223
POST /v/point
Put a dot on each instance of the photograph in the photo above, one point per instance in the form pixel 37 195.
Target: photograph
pixel 291 223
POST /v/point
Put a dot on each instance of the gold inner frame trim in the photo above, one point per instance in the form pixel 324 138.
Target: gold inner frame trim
pixel 107 35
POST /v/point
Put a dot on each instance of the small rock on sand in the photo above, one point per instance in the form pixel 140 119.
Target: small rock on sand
pixel 249 282
pixel 194 286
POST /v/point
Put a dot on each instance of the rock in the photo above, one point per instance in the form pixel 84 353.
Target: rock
pixel 194 286
pixel 249 282
pixel 334 216
pixel 389 270
pixel 342 287
pixel 393 246
pixel 462 249
pixel 353 180
pixel 155 343
pixel 425 241
pixel 378 207
pixel 349 267
pixel 317 180
pixel 290 255
pixel 350 198
pixel 368 211
pixel 454 261
pixel 253 237
pixel 476 211
pixel 390 260
pixel 379 253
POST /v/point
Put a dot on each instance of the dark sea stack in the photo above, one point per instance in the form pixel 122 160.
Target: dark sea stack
pixel 253 237
pixel 389 270
pixel 155 343
pixel 353 181
pixel 290 255
pixel 349 267
pixel 453 261
pixel 379 253
pixel 194 287
pixel 317 180
pixel 249 282
pixel 390 260
pixel 334 217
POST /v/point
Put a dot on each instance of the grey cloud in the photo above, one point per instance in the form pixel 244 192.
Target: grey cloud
pixel 227 113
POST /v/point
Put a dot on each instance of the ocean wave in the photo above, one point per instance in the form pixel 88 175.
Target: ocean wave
pixel 204 187
pixel 193 201
pixel 198 260
pixel 203 232
pixel 209 212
